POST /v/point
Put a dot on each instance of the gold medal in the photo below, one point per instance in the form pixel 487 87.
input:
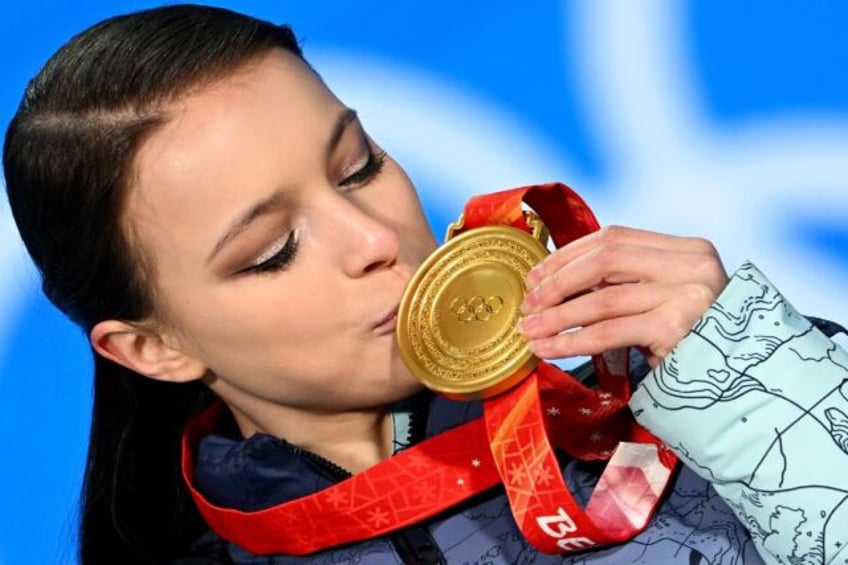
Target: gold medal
pixel 457 322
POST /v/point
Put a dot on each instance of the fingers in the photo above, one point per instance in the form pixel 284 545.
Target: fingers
pixel 592 340
pixel 656 331
pixel 608 303
pixel 620 287
pixel 592 262
pixel 616 235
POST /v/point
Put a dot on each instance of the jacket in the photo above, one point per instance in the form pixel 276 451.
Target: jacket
pixel 694 524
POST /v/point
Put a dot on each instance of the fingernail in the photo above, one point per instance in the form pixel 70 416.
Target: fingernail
pixel 530 301
pixel 537 347
pixel 527 323
pixel 534 276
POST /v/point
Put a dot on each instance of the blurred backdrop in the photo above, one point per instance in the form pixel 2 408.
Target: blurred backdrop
pixel 721 119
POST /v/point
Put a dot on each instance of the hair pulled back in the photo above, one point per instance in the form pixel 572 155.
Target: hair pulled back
pixel 67 159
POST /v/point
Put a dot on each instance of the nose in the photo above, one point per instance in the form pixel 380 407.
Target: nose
pixel 368 242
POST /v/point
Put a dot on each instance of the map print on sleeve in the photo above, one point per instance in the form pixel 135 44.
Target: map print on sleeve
pixel 755 400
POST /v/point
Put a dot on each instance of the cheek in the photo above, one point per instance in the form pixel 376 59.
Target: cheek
pixel 263 337
pixel 256 313
pixel 402 208
pixel 266 310
pixel 420 236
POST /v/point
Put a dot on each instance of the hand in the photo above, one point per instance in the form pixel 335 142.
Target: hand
pixel 620 287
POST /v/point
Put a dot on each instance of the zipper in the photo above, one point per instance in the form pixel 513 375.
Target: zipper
pixel 330 470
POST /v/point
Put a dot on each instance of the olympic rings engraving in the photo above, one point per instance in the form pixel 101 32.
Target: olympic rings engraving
pixel 476 309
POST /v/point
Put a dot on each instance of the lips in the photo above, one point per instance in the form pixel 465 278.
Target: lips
pixel 387 322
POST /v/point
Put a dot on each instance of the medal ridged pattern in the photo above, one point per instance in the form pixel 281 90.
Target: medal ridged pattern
pixel 458 317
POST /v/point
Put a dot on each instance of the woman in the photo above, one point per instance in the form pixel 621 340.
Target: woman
pixel 222 226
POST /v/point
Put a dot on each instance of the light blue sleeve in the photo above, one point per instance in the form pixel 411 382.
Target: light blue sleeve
pixel 755 400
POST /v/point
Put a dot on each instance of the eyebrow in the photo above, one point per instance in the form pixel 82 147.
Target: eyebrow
pixel 275 200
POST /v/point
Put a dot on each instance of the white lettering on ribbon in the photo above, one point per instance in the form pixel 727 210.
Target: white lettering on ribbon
pixel 559 526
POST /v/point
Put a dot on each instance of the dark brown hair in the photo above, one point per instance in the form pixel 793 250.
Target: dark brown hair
pixel 67 161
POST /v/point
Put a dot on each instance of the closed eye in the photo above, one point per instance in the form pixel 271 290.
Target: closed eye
pixel 278 260
pixel 367 172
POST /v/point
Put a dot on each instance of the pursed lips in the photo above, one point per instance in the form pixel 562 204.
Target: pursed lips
pixel 387 322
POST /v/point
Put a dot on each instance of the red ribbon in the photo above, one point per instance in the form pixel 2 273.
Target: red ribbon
pixel 511 444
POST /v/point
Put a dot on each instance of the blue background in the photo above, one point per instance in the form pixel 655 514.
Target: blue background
pixel 704 118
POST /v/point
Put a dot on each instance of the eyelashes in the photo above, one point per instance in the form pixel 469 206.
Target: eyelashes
pixel 368 171
pixel 278 260
pixel 281 259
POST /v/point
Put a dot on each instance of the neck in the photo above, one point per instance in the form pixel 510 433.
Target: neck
pixel 353 440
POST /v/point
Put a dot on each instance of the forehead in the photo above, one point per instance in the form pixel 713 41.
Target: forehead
pixel 276 94
pixel 226 144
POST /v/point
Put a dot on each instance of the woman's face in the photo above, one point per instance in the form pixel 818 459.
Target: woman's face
pixel 282 239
